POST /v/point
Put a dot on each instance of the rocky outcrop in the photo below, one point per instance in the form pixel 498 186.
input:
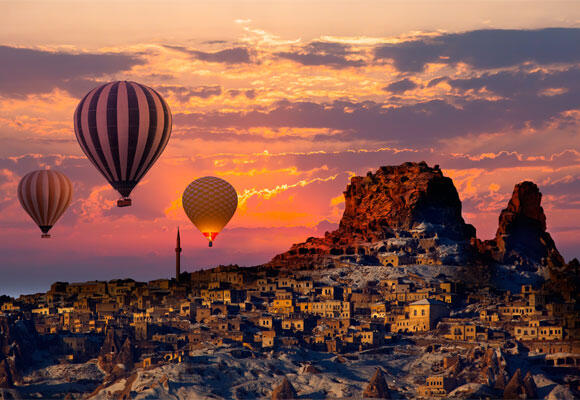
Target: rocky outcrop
pixel 18 342
pixel 530 387
pixel 309 369
pixel 494 369
pixel 116 359
pixel 403 198
pixel 284 391
pixel 377 387
pixel 414 211
pixel 411 200
pixel 111 343
pixel 521 238
pixel 5 376
pixel 518 388
pixel 126 355
pixel 564 282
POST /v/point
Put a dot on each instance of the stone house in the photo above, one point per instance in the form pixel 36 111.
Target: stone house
pixel 437 386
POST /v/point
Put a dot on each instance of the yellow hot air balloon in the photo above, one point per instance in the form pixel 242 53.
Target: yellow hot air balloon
pixel 210 203
pixel 45 195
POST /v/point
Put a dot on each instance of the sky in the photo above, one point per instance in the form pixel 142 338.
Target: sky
pixel 286 100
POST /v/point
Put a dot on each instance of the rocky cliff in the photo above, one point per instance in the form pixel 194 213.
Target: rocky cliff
pixel 410 209
pixel 521 238
pixel 411 213
pixel 403 198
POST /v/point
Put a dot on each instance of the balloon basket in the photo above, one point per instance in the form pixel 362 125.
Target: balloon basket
pixel 210 244
pixel 124 202
pixel 45 236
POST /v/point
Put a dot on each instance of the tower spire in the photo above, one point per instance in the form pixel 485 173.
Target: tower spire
pixel 178 256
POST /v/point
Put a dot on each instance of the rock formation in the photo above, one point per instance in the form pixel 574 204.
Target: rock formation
pixel 530 387
pixel 494 369
pixel 411 200
pixel 126 355
pixel 521 237
pixel 377 387
pixel 564 282
pixel 5 375
pixel 114 358
pixel 518 388
pixel 309 369
pixel 414 211
pixel 284 391
pixel 403 198
pixel 18 342
pixel 111 343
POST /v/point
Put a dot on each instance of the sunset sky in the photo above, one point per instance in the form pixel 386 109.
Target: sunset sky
pixel 286 100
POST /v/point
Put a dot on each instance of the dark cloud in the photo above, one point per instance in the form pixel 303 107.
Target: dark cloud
pixel 335 55
pixel 486 49
pixel 520 82
pixel 422 123
pixel 436 81
pixel 401 86
pixel 184 93
pixel 566 192
pixel 249 93
pixel 26 71
pixel 234 55
pixel 214 41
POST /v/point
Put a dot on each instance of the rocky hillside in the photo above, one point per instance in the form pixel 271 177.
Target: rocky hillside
pixel 411 213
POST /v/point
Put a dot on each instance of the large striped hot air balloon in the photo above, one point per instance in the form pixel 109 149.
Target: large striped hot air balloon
pixel 210 203
pixel 45 195
pixel 123 128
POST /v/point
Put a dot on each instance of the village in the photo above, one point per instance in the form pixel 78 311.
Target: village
pixel 163 321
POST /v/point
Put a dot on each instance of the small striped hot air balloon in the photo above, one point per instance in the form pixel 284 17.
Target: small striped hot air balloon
pixel 123 128
pixel 45 195
pixel 210 203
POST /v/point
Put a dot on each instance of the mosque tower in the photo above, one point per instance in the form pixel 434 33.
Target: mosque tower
pixel 177 257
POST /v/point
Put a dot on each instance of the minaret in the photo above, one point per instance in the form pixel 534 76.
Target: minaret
pixel 178 257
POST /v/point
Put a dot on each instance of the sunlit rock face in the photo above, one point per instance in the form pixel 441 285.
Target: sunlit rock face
pixel 521 237
pixel 403 198
pixel 411 208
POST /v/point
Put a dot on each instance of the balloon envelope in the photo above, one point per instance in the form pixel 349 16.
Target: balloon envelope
pixel 45 195
pixel 123 128
pixel 210 203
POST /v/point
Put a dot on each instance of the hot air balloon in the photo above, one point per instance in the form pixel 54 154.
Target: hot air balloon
pixel 123 128
pixel 210 203
pixel 45 195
